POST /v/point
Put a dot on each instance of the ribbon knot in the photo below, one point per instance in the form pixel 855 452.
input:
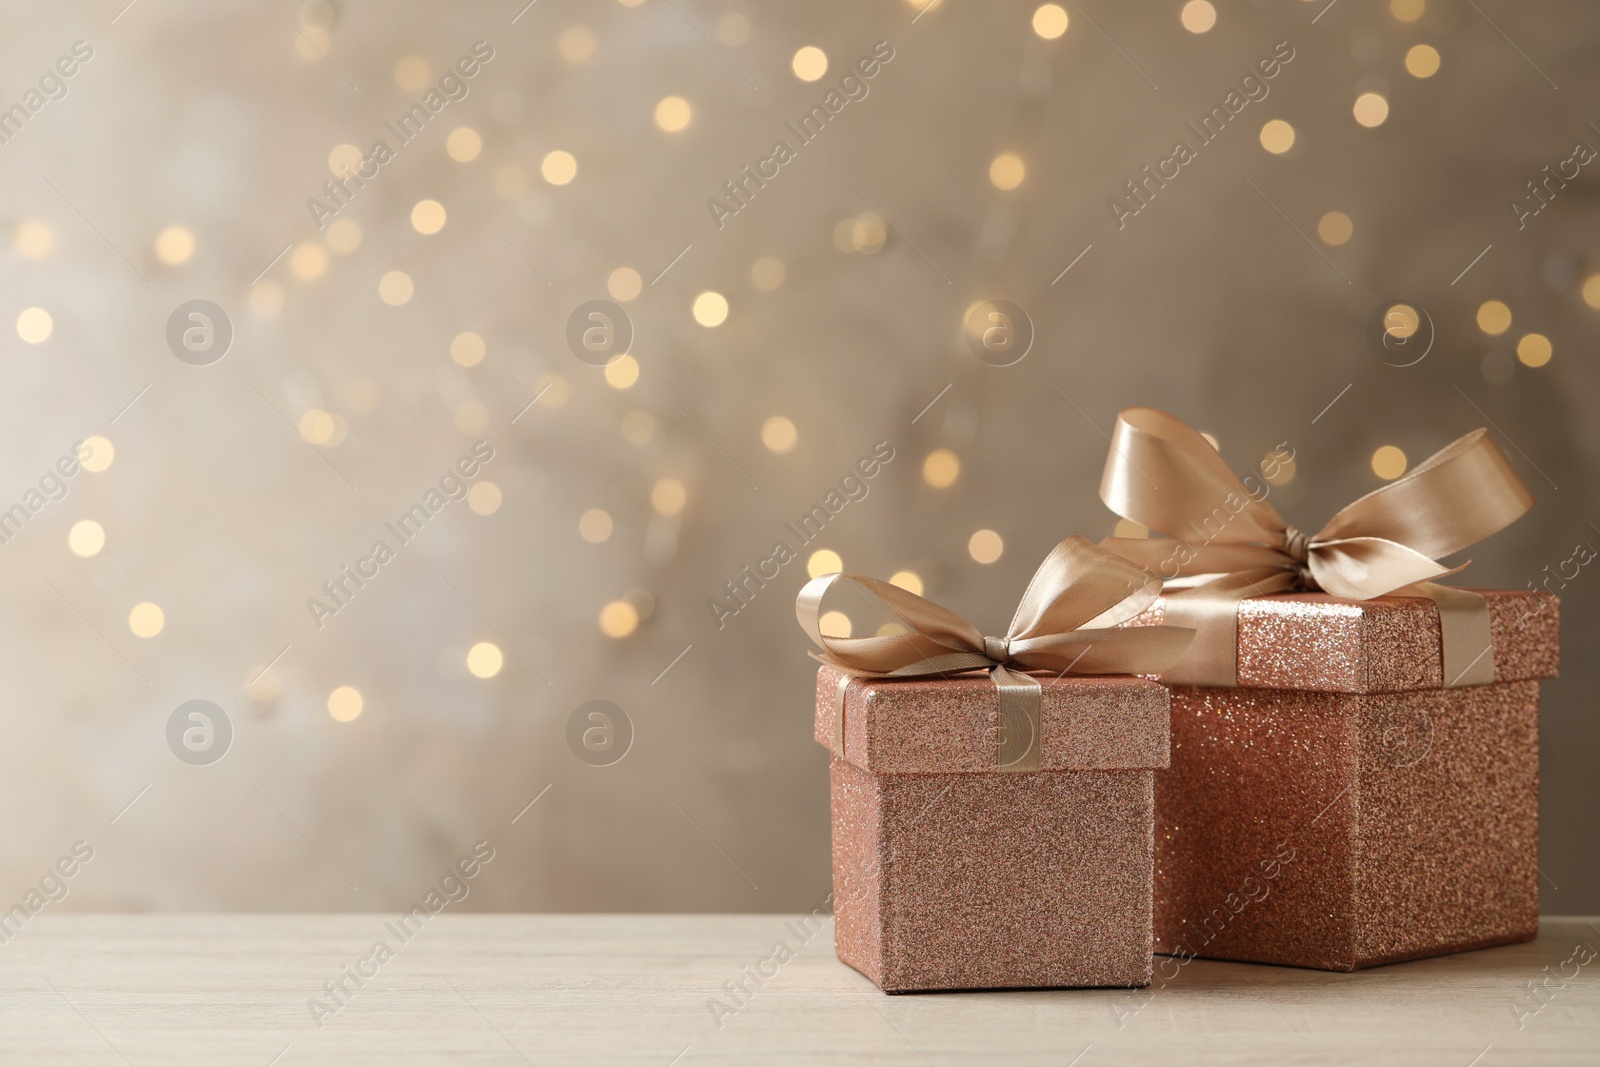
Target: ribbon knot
pixel 1068 622
pixel 1227 544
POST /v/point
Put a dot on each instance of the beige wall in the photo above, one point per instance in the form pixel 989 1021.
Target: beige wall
pixel 1208 302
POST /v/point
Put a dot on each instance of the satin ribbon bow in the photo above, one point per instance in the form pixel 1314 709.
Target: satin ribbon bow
pixel 1225 543
pixel 1067 622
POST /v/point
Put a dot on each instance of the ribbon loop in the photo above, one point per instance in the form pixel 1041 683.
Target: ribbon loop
pixel 1225 544
pixel 1067 622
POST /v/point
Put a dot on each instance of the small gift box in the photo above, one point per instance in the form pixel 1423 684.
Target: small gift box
pixel 995 831
pixel 1354 775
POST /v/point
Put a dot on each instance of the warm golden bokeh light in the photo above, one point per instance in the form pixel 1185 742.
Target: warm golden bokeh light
pixel 559 167
pixel 985 546
pixel 467 349
pixel 345 703
pixel 1007 170
pixel 809 63
pixel 484 659
pixel 619 619
pixel 941 468
pixel 427 216
pixel 35 325
pixel 1198 16
pixel 710 309
pixel 1407 10
pixel 622 372
pixel 463 144
pixel 1422 61
pixel 308 261
pixel 1370 109
pixel 344 159
pixel 96 454
pixel 595 526
pixel 86 538
pixel 554 390
pixel 824 561
pixel 1591 291
pixel 1388 463
pixel 472 418
pixel 1335 228
pixel 412 72
pixel 484 498
pixel 33 240
pixel 1494 317
pixel 638 427
pixel 733 30
pixel 673 113
pixel 395 288
pixel 316 426
pixel 1277 136
pixel 174 246
pixel 146 619
pixel 668 497
pixel 1534 350
pixel 779 434
pixel 624 284
pixel 1050 21
pixel 344 236
pixel 834 624
pixel 910 581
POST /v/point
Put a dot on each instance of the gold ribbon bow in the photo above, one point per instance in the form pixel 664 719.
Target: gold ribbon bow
pixel 1226 544
pixel 1067 622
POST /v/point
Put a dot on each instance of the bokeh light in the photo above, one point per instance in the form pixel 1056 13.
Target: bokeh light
pixel 463 144
pixel 86 538
pixel 1050 21
pixel 427 216
pixel 824 561
pixel 35 325
pixel 33 240
pixel 618 619
pixel 668 497
pixel 1198 16
pixel 559 167
pixel 1007 170
pixel 484 498
pixel 96 454
pixel 985 546
pixel 345 703
pixel 767 273
pixel 622 372
pixel 673 113
pixel 624 284
pixel 308 261
pixel 1422 61
pixel 146 619
pixel 809 63
pixel 484 659
pixel 594 526
pixel 1370 109
pixel 1277 136
pixel 1335 228
pixel 910 581
pixel 1388 462
pixel 395 288
pixel 1494 317
pixel 834 624
pixel 941 468
pixel 710 309
pixel 467 349
pixel 779 434
pixel 174 246
pixel 1534 350
pixel 576 44
pixel 1408 10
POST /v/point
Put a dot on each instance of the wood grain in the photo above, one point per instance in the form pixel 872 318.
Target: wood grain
pixel 552 989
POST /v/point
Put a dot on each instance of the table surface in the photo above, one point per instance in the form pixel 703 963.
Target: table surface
pixel 628 989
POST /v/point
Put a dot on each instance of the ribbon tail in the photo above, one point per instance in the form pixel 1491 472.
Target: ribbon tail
pixel 1463 633
pixel 839 693
pixel 1021 701
pixel 1212 611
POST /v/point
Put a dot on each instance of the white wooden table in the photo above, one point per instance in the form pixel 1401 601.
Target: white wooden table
pixel 528 989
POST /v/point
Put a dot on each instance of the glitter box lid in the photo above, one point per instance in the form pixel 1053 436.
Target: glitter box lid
pixel 1322 643
pixel 947 725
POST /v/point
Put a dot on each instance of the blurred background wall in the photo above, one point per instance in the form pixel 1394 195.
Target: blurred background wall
pixel 376 340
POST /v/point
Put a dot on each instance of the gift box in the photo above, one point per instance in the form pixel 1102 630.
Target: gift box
pixel 950 874
pixel 1341 808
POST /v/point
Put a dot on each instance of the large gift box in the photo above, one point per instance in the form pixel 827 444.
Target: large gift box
pixel 993 830
pixel 1355 769
pixel 1340 808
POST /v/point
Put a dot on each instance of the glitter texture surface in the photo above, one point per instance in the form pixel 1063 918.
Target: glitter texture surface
pixel 950 875
pixel 993 881
pixel 1392 820
pixel 1323 643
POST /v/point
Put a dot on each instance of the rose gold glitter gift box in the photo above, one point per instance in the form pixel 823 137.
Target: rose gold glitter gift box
pixel 949 874
pixel 1341 808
